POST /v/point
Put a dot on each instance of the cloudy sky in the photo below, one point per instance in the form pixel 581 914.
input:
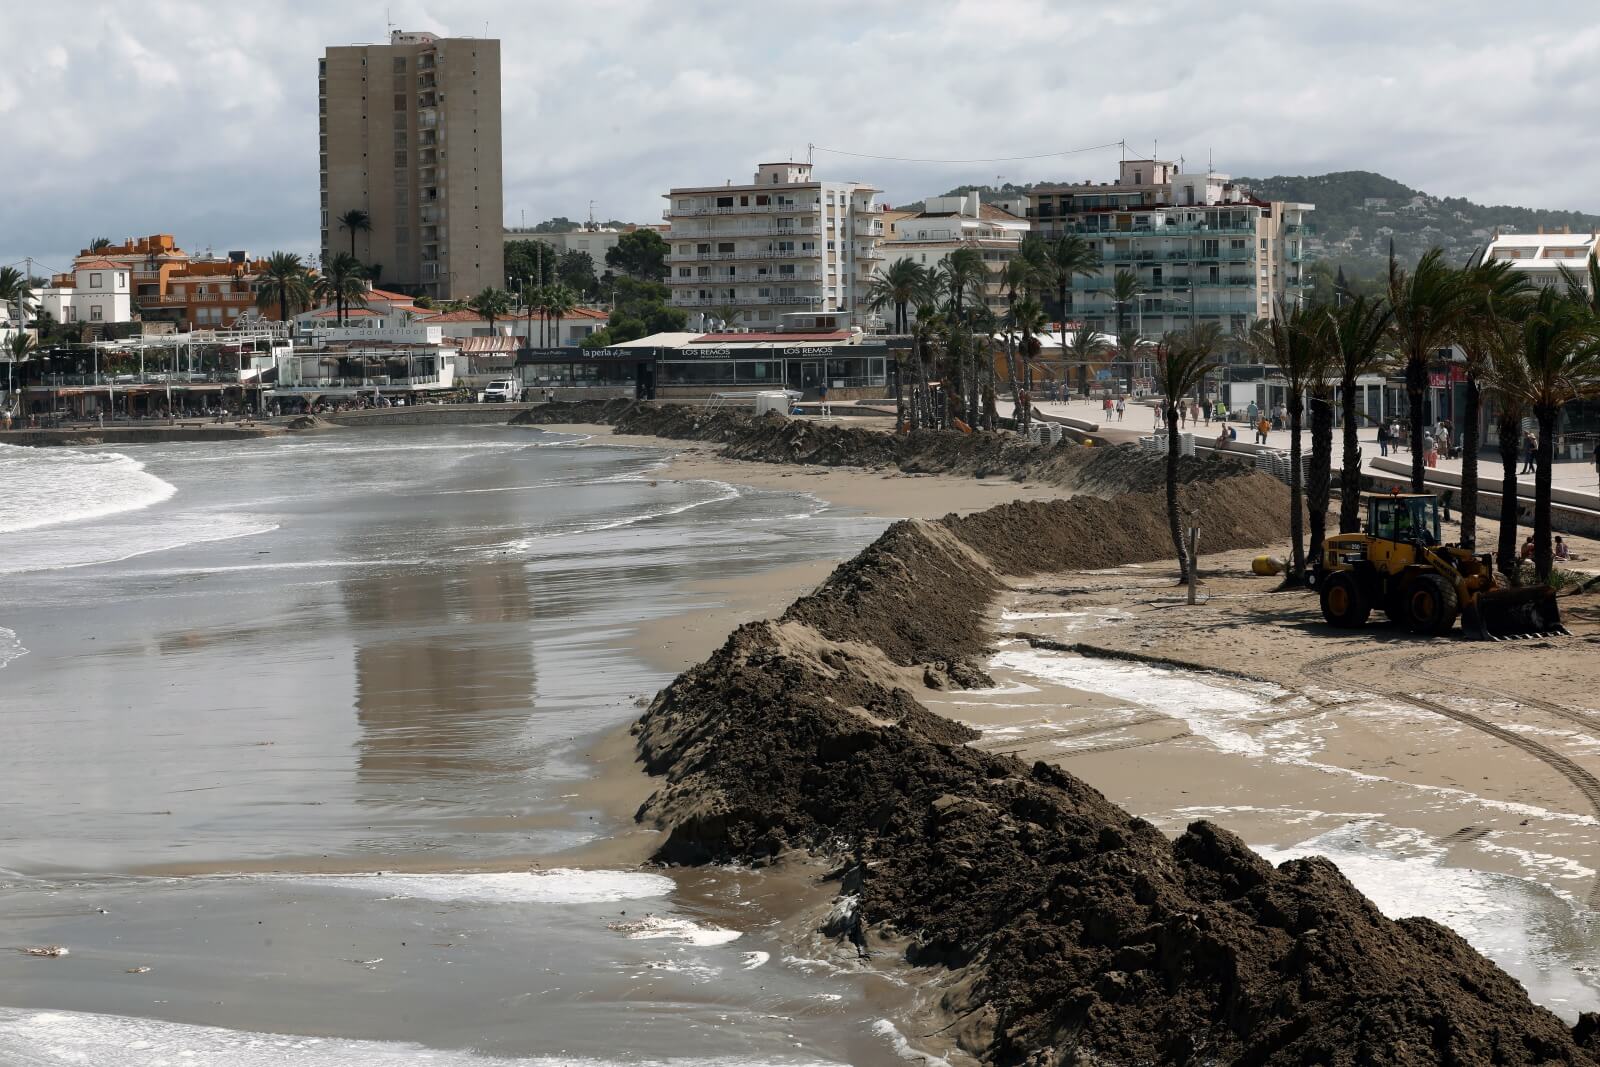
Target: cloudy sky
pixel 199 119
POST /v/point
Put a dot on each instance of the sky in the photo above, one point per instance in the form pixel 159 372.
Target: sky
pixel 200 119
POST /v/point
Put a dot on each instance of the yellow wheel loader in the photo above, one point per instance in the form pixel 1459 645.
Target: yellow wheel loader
pixel 1398 564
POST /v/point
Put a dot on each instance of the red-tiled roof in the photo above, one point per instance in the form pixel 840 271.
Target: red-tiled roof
pixel 754 338
pixel 468 315
pixel 100 264
pixel 333 313
pixel 397 298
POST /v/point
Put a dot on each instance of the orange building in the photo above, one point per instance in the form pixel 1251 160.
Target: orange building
pixel 169 285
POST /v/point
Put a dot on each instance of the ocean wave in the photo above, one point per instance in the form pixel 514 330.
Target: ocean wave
pixel 113 542
pixel 560 885
pixel 48 487
pixel 62 1038
pixel 10 647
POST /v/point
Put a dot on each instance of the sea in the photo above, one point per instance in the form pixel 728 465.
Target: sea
pixel 280 721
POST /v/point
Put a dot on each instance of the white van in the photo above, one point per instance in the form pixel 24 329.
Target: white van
pixel 505 389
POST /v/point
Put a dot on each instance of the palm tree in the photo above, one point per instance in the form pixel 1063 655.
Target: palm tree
pixel 1070 256
pixel 285 283
pixel 1029 319
pixel 1182 360
pixel 1556 360
pixel 727 313
pixel 342 283
pixel 355 220
pixel 961 275
pixel 1428 303
pixel 1019 276
pixel 1585 288
pixel 1319 396
pixel 1088 344
pixel 1129 342
pixel 1354 338
pixel 99 243
pixel 19 347
pixel 15 292
pixel 1492 290
pixel 1124 291
pixel 1286 341
pixel 902 284
pixel 560 300
pixel 491 304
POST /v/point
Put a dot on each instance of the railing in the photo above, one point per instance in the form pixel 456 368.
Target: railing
pixel 805 229
pixel 1300 227
pixel 745 209
pixel 869 253
pixel 764 253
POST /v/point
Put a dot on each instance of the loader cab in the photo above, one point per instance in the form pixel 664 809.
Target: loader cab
pixel 1404 518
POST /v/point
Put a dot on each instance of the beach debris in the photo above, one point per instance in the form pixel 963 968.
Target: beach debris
pixel 370 965
pixel 138 970
pixel 50 951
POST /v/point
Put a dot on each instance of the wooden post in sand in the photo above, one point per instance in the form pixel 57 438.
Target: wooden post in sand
pixel 1194 558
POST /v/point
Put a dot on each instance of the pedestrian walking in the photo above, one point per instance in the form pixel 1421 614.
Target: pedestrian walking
pixel 1383 439
pixel 1122 407
pixel 1205 410
pixel 1530 453
pixel 822 399
pixel 1252 414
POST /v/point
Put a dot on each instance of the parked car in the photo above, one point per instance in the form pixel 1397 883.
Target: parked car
pixel 504 389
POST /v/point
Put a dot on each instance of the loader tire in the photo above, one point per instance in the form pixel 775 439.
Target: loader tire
pixel 1431 604
pixel 1343 602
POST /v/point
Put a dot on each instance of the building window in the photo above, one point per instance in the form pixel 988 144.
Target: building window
pixel 94 281
pixel 72 313
pixel 95 312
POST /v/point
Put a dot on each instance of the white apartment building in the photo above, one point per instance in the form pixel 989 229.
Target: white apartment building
pixel 1201 248
pixel 781 247
pixel 947 223
pixel 97 291
pixel 1539 257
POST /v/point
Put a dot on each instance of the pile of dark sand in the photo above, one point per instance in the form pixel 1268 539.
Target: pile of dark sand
pixel 775 439
pixel 1069 932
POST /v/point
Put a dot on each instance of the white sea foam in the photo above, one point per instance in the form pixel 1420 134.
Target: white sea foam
pixel 71 1039
pixel 1516 922
pixel 115 540
pixel 10 646
pixel 1213 711
pixel 653 927
pixel 559 885
pixel 902 1048
pixel 49 486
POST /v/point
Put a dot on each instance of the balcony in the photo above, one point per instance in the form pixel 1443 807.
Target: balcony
pixel 746 209
pixel 764 253
pixel 869 252
pixel 799 230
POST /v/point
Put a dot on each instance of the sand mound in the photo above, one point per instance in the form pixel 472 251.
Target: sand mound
pixel 1070 931
pixel 775 439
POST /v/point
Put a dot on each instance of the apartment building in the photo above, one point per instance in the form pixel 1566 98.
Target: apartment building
pixel 947 223
pixel 166 284
pixel 1539 257
pixel 410 134
pixel 96 291
pixel 1202 248
pixel 783 246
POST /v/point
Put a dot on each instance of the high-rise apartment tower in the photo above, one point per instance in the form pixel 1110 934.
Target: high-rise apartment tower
pixel 410 134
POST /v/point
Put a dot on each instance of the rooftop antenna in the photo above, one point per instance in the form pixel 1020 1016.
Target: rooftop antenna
pixel 591 214
pixel 387 21
pixel 1155 152
pixel 809 147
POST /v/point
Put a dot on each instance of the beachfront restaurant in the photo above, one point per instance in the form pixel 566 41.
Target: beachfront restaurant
pixel 600 373
pixel 752 361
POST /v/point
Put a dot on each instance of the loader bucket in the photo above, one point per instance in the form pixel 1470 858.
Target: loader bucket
pixel 1508 614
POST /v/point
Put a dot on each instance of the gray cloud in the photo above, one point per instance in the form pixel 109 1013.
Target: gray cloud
pixel 201 120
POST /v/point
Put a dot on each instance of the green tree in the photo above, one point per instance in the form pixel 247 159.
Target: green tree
pixel 356 221
pixel 529 264
pixel 1557 359
pixel 1028 318
pixel 1354 339
pixel 491 304
pixel 99 244
pixel 1124 291
pixel 341 283
pixel 575 270
pixel 1428 303
pixel 1070 256
pixel 283 284
pixel 1088 345
pixel 726 314
pixel 1287 341
pixel 960 277
pixel 903 284
pixel 1491 291
pixel 640 254
pixel 559 303
pixel 14 290
pixel 1182 361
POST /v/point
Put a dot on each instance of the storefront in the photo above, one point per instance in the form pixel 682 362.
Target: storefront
pixel 613 371
pixel 804 367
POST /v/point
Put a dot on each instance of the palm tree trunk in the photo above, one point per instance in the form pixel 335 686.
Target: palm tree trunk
pixel 1510 428
pixel 1416 385
pixel 1544 460
pixel 1173 526
pixel 1469 465
pixel 283 305
pixel 1350 467
pixel 1321 465
pixel 1297 526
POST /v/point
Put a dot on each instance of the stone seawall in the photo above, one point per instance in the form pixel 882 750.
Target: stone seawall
pixel 429 415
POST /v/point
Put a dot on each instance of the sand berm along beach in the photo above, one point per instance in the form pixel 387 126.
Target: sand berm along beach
pixel 1061 929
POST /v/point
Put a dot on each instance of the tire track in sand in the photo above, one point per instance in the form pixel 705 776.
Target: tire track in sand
pixel 1579 778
